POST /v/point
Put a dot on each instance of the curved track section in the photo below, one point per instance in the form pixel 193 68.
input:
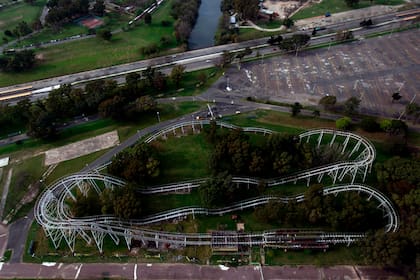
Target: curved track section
pixel 53 214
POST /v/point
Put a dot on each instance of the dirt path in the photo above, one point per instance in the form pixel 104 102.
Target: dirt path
pixel 5 192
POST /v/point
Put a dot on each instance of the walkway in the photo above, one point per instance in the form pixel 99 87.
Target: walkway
pixel 5 192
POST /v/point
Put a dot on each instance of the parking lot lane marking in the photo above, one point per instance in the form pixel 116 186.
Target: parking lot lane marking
pixel 78 271
pixel 135 272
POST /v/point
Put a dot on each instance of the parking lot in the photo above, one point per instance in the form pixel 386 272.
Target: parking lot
pixel 370 69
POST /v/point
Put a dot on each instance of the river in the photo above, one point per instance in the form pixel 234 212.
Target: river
pixel 202 35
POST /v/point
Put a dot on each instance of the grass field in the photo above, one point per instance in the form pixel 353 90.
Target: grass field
pixel 336 6
pixel 112 21
pixel 96 53
pixel 11 15
pixel 25 173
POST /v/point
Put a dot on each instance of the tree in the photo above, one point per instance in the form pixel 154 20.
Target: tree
pixel 127 204
pixel 352 3
pixel 343 35
pixel 145 104
pixel 288 22
pixel 351 105
pixel 138 164
pixel 148 18
pixel 343 123
pixel 390 249
pixel 36 25
pixel 296 108
pixel 328 102
pixel 294 42
pixel 99 8
pixel 104 34
pixel 112 108
pixel 89 205
pixel 132 80
pixel 396 96
pixel 413 110
pixel 41 123
pixel 217 190
pixel 18 62
pixel 394 127
pixel 227 58
pixel 177 74
pixel 202 77
pixel 248 9
pixel 22 29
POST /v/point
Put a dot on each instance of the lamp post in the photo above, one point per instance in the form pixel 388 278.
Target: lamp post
pixel 158 116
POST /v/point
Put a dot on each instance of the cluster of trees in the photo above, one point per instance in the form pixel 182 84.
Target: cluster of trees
pixel 138 164
pixel 294 42
pixel 246 9
pixel 185 12
pixel 348 212
pixel 18 61
pixel 122 103
pixel 61 11
pixel 399 178
pixel 124 203
pixel 277 155
pixel 21 29
pixel 219 191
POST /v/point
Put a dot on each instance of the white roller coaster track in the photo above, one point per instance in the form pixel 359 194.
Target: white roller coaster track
pixel 52 212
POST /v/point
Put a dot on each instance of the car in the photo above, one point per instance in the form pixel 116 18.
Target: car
pixel 237 112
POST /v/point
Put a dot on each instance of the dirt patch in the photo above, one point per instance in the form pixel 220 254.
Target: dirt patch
pixel 283 8
pixel 81 148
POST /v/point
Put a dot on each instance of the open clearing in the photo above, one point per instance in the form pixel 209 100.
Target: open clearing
pixel 81 148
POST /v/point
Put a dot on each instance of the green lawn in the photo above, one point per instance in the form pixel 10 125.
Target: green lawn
pixel 112 21
pixel 336 6
pixel 10 16
pixel 183 158
pixel 48 34
pixel 25 172
pixel 96 53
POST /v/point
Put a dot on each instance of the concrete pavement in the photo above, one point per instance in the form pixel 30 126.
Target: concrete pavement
pixel 186 271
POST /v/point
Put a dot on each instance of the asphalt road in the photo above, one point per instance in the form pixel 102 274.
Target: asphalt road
pixel 186 271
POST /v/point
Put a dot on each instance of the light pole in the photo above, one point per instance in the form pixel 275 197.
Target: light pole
pixel 228 88
pixel 158 116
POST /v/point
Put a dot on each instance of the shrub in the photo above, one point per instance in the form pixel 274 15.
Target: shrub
pixel 343 123
pixel 369 124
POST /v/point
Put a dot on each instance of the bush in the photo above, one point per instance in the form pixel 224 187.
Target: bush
pixel 166 23
pixel 369 124
pixel 328 102
pixel 149 50
pixel 343 123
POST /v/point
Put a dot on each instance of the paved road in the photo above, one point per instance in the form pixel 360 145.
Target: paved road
pixel 187 271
